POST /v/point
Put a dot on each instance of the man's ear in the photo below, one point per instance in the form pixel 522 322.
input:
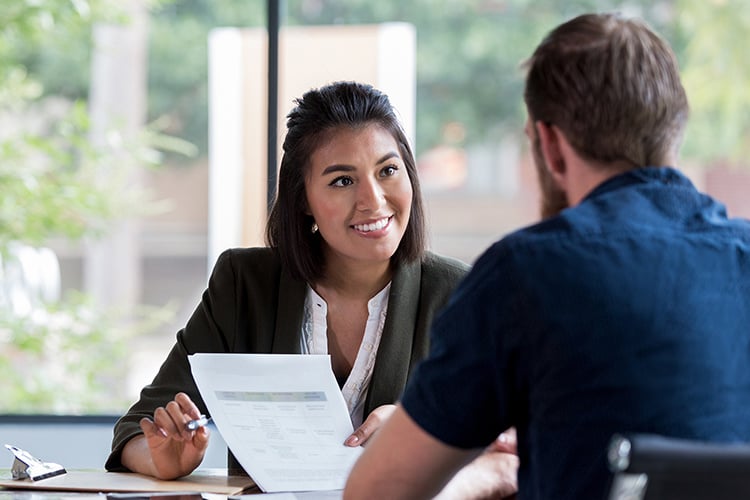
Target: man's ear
pixel 549 143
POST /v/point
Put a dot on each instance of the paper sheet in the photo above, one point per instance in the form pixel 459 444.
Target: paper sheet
pixel 302 495
pixel 283 417
pixel 305 495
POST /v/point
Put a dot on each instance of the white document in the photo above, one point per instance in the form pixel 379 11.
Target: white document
pixel 282 415
pixel 304 495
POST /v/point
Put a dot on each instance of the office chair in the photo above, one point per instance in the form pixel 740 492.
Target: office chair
pixel 651 467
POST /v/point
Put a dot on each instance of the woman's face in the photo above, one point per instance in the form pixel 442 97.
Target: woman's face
pixel 359 194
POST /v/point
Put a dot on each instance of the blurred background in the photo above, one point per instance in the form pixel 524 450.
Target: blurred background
pixel 119 121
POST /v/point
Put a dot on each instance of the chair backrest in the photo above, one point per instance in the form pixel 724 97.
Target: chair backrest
pixel 651 467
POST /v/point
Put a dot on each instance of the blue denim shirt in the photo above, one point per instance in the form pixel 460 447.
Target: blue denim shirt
pixel 628 312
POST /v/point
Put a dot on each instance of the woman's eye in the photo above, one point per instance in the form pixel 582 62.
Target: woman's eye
pixel 342 181
pixel 389 170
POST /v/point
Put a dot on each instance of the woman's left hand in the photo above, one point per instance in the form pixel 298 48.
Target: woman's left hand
pixel 372 423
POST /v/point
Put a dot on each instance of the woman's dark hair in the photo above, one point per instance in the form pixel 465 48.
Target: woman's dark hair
pixel 318 114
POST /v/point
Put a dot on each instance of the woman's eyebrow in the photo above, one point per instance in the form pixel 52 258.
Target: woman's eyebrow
pixel 388 156
pixel 337 168
pixel 349 168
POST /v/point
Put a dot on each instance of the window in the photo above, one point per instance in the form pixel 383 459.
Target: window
pixel 132 271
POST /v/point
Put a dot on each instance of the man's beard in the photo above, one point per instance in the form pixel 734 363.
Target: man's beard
pixel 553 199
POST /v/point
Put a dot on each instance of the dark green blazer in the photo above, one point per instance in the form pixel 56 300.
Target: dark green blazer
pixel 253 305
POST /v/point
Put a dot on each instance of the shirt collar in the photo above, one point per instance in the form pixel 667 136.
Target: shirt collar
pixel 645 175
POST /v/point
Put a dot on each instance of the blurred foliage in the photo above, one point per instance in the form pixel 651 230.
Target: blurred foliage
pixel 50 172
pixel 48 38
pixel 716 75
pixel 468 57
pixel 66 355
pixel 469 54
pixel 69 357
pixel 50 184
pixel 45 158
pixel 178 60
pixel 469 91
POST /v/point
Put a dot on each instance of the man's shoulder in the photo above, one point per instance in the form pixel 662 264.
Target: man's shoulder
pixel 538 234
pixel 528 250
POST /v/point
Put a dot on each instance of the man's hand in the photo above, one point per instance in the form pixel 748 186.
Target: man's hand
pixel 492 475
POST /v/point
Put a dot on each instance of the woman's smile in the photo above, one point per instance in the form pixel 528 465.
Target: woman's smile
pixel 373 227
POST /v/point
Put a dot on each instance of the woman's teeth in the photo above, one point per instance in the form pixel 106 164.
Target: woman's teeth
pixel 366 228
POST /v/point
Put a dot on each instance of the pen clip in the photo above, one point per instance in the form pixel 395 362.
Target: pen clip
pixel 197 423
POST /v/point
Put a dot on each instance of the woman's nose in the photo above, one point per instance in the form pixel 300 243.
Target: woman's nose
pixel 370 195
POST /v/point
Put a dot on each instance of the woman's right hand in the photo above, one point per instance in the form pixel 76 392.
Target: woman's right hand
pixel 167 450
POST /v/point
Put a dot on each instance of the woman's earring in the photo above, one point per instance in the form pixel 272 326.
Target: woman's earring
pixel 314 228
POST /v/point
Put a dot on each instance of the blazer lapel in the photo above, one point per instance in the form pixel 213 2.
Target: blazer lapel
pixel 291 305
pixel 392 364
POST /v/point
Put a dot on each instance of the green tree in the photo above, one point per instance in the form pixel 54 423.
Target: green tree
pixel 59 356
pixel 178 61
pixel 468 57
pixel 45 160
pixel 469 85
pixel 716 75
pixel 468 54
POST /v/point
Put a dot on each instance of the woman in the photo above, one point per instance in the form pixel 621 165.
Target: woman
pixel 345 273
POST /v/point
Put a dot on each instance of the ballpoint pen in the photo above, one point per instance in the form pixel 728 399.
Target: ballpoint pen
pixel 197 423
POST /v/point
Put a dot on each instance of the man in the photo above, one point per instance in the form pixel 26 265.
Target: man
pixel 627 311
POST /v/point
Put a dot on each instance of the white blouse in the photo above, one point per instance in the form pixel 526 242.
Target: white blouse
pixel 314 340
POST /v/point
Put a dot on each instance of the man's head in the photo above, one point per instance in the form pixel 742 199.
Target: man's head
pixel 612 86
